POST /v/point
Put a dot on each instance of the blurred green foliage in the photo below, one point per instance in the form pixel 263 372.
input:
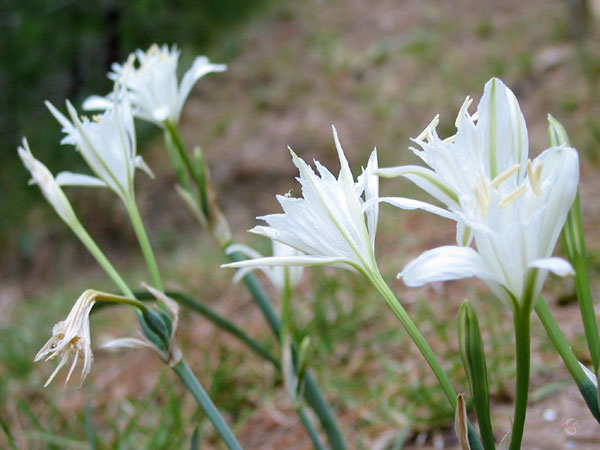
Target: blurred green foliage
pixel 58 49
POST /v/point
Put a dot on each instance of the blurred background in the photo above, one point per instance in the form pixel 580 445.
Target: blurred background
pixel 378 70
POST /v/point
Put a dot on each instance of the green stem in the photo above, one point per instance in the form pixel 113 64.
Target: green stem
pixel 414 333
pixel 101 259
pixel 140 231
pixel 586 387
pixel 312 394
pixel 176 160
pixel 198 177
pixel 209 408
pixel 523 352
pixel 574 242
pixel 314 437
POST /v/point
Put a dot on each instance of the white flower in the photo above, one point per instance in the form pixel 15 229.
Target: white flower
pixel 513 207
pixel 71 338
pixel 41 176
pixel 152 87
pixel 107 144
pixel 327 225
pixel 277 274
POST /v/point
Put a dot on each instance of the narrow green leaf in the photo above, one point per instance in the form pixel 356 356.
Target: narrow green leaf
pixel 473 358
pixel 195 445
pixel 574 244
pixel 89 424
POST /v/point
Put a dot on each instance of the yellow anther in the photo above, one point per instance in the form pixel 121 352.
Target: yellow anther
pixel 533 181
pixel 483 196
pixel 484 205
pixel 513 196
pixel 538 172
pixel 505 175
pixel 450 139
pixel 463 110
pixel 426 133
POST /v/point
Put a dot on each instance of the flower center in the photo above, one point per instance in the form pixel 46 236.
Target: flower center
pixel 483 192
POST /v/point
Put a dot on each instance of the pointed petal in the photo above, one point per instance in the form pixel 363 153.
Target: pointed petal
pixel 557 266
pixel 97 103
pixel 200 67
pixel 445 263
pixel 410 204
pixel 141 164
pixel 287 261
pixel 426 179
pixel 78 179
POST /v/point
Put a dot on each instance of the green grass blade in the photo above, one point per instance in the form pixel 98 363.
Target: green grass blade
pixel 89 424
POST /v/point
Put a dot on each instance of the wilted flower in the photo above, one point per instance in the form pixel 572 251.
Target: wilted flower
pixel 152 86
pixel 41 176
pixel 71 338
pixel 513 207
pixel 328 224
pixel 277 274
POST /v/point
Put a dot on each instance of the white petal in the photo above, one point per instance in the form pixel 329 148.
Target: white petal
pixel 287 261
pixel 557 266
pixel 445 263
pixel 78 179
pixel 141 164
pixel 410 204
pixel 243 249
pixel 97 103
pixel 426 179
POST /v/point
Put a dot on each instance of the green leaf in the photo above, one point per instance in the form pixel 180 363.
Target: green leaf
pixel 473 358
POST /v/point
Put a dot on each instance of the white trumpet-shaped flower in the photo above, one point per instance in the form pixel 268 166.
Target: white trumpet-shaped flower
pixel 512 207
pixel 329 224
pixel 152 86
pixel 71 338
pixel 279 275
pixel 107 143
pixel 51 189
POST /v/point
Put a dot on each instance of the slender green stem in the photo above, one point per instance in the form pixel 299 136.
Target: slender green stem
pixel 415 335
pixel 101 259
pixel 312 394
pixel 314 436
pixel 390 298
pixel 523 352
pixel 140 231
pixel 197 175
pixel 191 382
pixel 587 388
pixel 176 160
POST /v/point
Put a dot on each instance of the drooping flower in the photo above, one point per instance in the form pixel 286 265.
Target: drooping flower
pixel 512 207
pixel 328 225
pixel 107 144
pixel 277 274
pixel 71 338
pixel 152 86
pixel 49 186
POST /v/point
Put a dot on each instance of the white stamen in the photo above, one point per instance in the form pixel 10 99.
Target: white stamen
pixel 426 133
pixel 463 110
